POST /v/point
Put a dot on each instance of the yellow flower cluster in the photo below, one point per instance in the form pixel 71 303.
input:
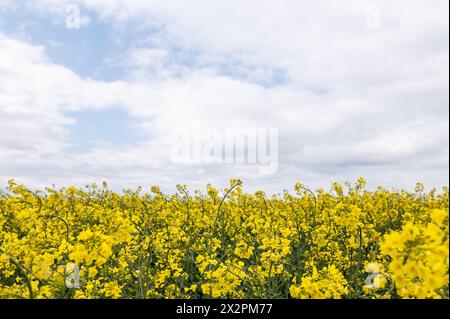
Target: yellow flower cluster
pixel 419 256
pixel 329 283
pixel 346 243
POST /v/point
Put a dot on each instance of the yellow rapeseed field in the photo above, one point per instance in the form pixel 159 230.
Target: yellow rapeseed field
pixel 346 242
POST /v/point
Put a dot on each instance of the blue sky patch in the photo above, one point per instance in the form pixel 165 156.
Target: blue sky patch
pixel 111 127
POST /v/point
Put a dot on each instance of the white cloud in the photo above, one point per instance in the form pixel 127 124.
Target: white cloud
pixel 354 101
pixel 145 57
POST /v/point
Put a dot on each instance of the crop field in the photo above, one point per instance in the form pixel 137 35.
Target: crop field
pixel 341 242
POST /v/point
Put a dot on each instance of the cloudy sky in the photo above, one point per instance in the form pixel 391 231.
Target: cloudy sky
pixel 356 88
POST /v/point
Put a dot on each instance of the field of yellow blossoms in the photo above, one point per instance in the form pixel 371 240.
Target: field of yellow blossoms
pixel 343 242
